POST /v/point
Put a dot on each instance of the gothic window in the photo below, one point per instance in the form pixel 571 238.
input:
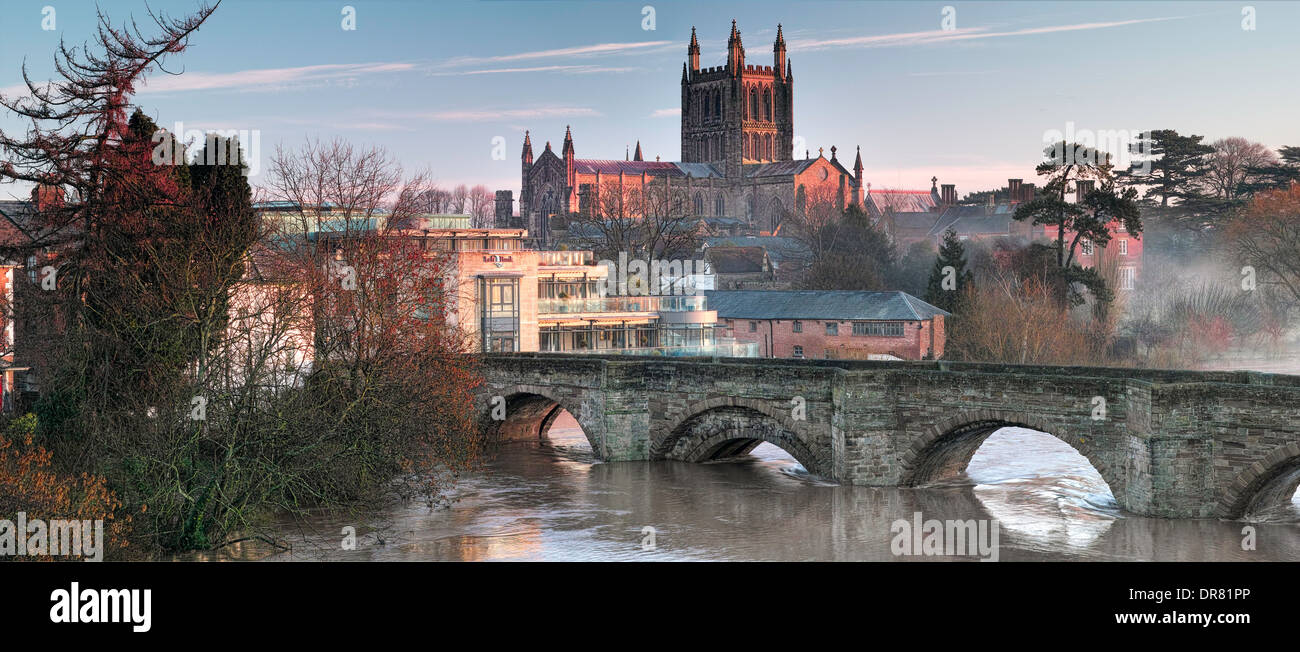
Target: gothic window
pixel 767 147
pixel 767 105
pixel 719 206
pixel 699 204
pixel 752 206
pixel 717 104
pixel 753 105
pixel 776 213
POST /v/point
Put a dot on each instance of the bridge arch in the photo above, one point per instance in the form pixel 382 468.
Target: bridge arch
pixel 531 409
pixel 727 426
pixel 946 448
pixel 1269 482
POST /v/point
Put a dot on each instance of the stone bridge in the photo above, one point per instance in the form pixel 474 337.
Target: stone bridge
pixel 1174 444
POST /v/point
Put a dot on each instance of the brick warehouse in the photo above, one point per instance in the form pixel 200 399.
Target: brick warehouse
pixel 832 324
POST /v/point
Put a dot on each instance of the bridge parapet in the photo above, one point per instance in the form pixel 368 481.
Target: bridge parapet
pixel 1169 443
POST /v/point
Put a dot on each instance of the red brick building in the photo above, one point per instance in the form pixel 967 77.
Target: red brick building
pixel 831 324
pixel 911 216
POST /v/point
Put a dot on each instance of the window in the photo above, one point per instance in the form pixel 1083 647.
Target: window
pixel 796 327
pixel 699 204
pixel 1126 277
pixel 731 323
pixel 499 319
pixel 1086 247
pixel 832 328
pixel 753 327
pixel 1123 247
pixel 878 328
pixel 798 351
pixel 719 206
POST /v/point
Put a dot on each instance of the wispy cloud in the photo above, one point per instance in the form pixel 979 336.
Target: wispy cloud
pixel 665 113
pixel 571 70
pixel 954 73
pixel 268 77
pixel 961 34
pixel 576 51
pixel 489 115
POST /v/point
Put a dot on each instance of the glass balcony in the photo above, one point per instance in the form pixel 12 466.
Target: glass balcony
pixel 597 305
pixel 567 258
pixel 682 303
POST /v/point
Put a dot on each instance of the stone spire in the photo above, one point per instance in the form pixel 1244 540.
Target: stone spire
pixel 735 51
pixel 527 156
pixel 637 156
pixel 568 157
pixel 778 54
pixel 693 52
pixel 857 179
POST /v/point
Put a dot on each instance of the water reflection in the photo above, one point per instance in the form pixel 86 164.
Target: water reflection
pixel 553 500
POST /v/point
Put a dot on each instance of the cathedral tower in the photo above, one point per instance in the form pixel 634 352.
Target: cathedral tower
pixel 737 114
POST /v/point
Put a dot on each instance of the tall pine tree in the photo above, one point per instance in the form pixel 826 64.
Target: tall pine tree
pixel 949 278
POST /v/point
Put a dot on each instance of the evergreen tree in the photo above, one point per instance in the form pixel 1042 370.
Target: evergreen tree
pixel 1066 164
pixel 1279 175
pixel 1171 165
pixel 949 278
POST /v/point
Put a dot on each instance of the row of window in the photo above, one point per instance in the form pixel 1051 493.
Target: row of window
pixel 1086 247
pixel 868 328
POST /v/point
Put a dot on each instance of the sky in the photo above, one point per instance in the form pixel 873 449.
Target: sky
pixel 964 91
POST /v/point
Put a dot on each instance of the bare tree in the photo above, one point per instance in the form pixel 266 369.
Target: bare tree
pixel 457 202
pixel 1229 165
pixel 653 221
pixel 481 204
pixel 337 186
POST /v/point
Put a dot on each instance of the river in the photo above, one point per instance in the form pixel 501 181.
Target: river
pixel 553 500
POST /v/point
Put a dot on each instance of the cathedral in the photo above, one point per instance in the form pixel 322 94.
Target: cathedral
pixel 737 130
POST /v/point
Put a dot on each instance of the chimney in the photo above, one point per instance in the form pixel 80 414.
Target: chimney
pixel 1082 188
pixel 1013 189
pixel 1027 192
pixel 948 193
pixel 46 196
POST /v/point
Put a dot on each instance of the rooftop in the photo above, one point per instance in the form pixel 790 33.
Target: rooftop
pixel 821 304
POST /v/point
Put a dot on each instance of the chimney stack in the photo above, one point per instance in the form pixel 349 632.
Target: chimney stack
pixel 1082 188
pixel 1027 192
pixel 46 196
pixel 948 194
pixel 1013 189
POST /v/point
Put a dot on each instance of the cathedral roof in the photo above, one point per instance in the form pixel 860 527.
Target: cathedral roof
pixel 604 166
pixel 700 170
pixel 778 168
